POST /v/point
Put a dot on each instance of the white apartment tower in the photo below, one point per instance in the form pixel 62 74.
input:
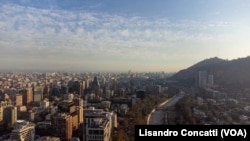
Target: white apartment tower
pixel 210 81
pixel 205 80
pixel 202 79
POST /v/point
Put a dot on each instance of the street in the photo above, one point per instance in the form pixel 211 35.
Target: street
pixel 156 117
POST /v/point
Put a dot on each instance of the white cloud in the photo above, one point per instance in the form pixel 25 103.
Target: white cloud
pixel 80 35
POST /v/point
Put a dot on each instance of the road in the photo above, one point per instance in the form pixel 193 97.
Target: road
pixel 156 117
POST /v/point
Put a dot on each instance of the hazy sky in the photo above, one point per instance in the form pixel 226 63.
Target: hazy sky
pixel 121 35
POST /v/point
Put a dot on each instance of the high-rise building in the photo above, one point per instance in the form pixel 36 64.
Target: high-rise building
pixel 27 96
pixel 114 120
pixel 77 88
pixel 1 113
pixel 95 83
pixel 202 79
pixel 133 99
pixel 10 115
pixel 1 119
pixel 62 126
pixel 107 93
pixel 86 83
pixel 205 80
pixel 210 81
pixel 78 101
pixel 46 90
pixel 158 89
pixel 76 112
pixel 37 93
pixel 55 90
pixel 23 131
pixel 97 125
pixel 64 89
pixel 83 85
pixel 19 100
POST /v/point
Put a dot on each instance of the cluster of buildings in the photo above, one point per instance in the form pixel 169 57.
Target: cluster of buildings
pixel 69 106
pixel 231 104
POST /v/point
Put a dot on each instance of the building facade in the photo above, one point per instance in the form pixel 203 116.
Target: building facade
pixel 62 126
pixel 23 131
pixel 98 125
pixel 37 93
pixel 202 79
pixel 27 96
pixel 10 115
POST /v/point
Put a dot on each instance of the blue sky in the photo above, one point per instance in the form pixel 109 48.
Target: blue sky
pixel 121 35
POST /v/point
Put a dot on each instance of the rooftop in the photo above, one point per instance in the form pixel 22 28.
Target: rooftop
pixel 98 123
pixel 21 124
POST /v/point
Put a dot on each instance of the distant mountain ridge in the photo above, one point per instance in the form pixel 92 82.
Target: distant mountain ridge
pixel 227 73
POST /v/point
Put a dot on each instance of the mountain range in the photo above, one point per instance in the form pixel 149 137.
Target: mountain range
pixel 227 73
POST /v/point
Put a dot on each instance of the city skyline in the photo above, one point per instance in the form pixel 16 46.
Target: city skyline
pixel 110 35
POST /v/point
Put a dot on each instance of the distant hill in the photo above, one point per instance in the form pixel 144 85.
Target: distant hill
pixel 227 73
